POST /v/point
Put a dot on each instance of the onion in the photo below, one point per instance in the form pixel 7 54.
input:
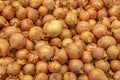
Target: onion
pixel 60 56
pixel 41 76
pixel 102 13
pixel 115 24
pixel 105 21
pixel 22 54
pixel 83 77
pixel 38 22
pixel 116 34
pixel 35 33
pixel 29 45
pixel 29 69
pixel 47 18
pixel 66 33
pixel 32 14
pixel 13 68
pixel 98 53
pixel 42 66
pixel 55 42
pixel 59 13
pixel 114 11
pixel 92 13
pixel 108 3
pixel 66 42
pixel 26 77
pixel 86 57
pixel 113 52
pixel 26 24
pixel 88 67
pixel 42 10
pixel 12 78
pixel 103 65
pixel 39 44
pixel 71 18
pixel 116 76
pixel 45 52
pixel 92 22
pixel 75 65
pixel 35 3
pixel 73 51
pixel 84 15
pixel 17 41
pixel 25 3
pixel 3 21
pixel 8 12
pixel 50 4
pixel 106 41
pixel 97 4
pixel 69 76
pixel 115 65
pixel 2 71
pixel 4 47
pixel 54 67
pixel 87 36
pixel 6 60
pixel 2 5
pixel 55 76
pixel 53 28
pixel 64 69
pixel 21 13
pixel 15 22
pixel 97 74
pixel 99 30
pixel 82 26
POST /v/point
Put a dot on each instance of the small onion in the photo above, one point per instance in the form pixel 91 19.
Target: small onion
pixel 45 52
pixel 69 76
pixel 15 22
pixel 115 24
pixel 25 3
pixel 29 45
pixel 92 13
pixel 66 42
pixel 3 21
pixel 66 33
pixel 97 4
pixel 35 3
pixel 50 4
pixel 75 65
pixel 115 65
pixel 26 77
pixel 55 42
pixel 2 5
pixel 84 15
pixel 47 18
pixel 17 41
pixel 55 76
pixel 41 76
pixel 22 54
pixel 116 34
pixel 88 67
pixel 64 69
pixel 53 28
pixel 54 67
pixel 102 13
pixel 83 77
pixel 42 10
pixel 42 66
pixel 116 76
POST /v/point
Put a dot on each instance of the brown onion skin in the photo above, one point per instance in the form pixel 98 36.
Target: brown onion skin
pixel 115 65
pixel 38 22
pixel 83 77
pixel 26 77
pixel 45 52
pixel 75 65
pixel 2 5
pixel 12 78
pixel 2 71
pixel 29 69
pixel 58 13
pixel 92 13
pixel 88 67
pixel 60 56
pixel 108 3
pixel 103 65
pixel 6 60
pixel 47 18
pixel 22 54
pixel 66 33
pixel 29 45
pixel 93 75
pixel 113 52
pixel 54 67
pixel 8 12
pixel 4 47
pixel 116 76
pixel 86 57
pixel 35 3
pixel 64 69
pixel 105 21
pixel 69 76
pixel 115 24
pixel 98 53
pixel 116 34
pixel 66 42
pixel 87 36
pixel 106 41
pixel 97 4
pixel 99 30
pixel 26 24
pixel 73 51
pixel 56 42
pixel 25 3
pixel 17 41
pixel 102 13
pixel 3 21
pixel 82 26
pixel 42 66
pixel 42 10
pixel 13 68
pixel 41 76
pixel 84 15
pixel 55 76
pixel 47 4
pixel 15 22
pixel 35 33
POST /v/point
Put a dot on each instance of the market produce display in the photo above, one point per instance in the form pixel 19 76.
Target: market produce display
pixel 59 39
